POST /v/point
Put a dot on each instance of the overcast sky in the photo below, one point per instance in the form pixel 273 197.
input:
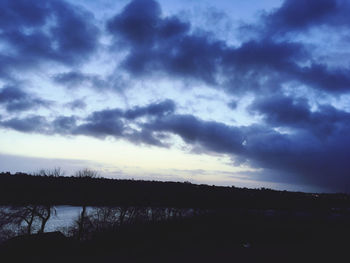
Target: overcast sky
pixel 248 93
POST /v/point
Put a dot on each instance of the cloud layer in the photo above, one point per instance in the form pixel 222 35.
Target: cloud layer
pixel 301 133
pixel 33 33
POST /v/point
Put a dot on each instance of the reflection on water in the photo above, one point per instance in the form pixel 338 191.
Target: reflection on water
pixel 65 217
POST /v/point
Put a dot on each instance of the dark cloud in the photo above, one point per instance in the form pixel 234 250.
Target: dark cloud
pixel 147 137
pixel 76 104
pixel 15 99
pixel 213 136
pixel 52 31
pixel 117 123
pixel 30 124
pixel 76 79
pixel 160 44
pixel 314 151
pixel 332 80
pixel 298 157
pixel 163 44
pixel 138 22
pixel 22 12
pixel 267 64
pixel 102 124
pixel 156 109
pixel 280 110
pixel 233 104
pixel 293 113
pixel 75 35
pixel 265 53
pixel 299 16
pixel 262 65
pixel 64 125
pixel 306 158
pixel 297 143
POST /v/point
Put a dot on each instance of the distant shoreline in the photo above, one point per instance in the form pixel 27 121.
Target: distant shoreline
pixel 21 188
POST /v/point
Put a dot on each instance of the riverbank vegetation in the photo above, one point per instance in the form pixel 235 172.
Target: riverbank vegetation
pixel 150 221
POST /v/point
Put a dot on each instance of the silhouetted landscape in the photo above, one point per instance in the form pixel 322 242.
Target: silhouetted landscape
pixel 151 221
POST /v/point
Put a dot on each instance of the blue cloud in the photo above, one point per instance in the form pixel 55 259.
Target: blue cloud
pixel 314 152
pixel 15 99
pixel 299 16
pixel 166 44
pixel 37 32
pixel 299 144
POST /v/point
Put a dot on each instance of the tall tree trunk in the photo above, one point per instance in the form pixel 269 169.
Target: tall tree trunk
pixel 31 219
pixel 123 212
pixel 81 222
pixel 44 218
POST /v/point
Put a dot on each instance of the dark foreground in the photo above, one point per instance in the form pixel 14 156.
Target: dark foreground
pixel 218 237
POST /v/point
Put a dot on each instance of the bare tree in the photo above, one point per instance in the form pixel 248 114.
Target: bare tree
pixel 102 218
pixel 20 216
pixel 85 173
pixel 44 213
pixel 81 222
pixel 26 217
pixel 55 172
pixel 123 212
pixel 7 227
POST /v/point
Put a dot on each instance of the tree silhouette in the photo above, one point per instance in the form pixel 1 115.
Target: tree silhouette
pixel 26 217
pixel 85 173
pixel 44 213
pixel 55 172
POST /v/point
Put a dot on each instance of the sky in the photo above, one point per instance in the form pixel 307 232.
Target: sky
pixel 249 93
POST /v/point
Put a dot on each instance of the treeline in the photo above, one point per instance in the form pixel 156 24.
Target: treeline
pixel 46 189
pixel 32 219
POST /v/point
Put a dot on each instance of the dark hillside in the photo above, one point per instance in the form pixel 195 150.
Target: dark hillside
pixel 28 189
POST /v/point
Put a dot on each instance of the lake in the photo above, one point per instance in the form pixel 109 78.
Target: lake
pixel 65 217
